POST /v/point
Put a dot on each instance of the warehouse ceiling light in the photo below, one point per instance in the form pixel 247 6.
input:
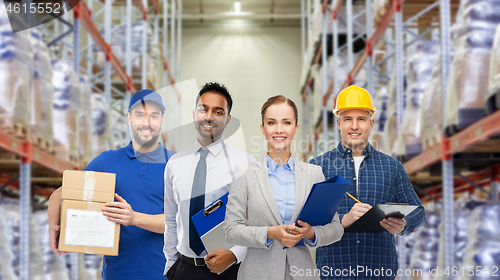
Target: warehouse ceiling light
pixel 237 6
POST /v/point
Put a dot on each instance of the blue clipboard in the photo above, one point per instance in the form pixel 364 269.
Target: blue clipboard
pixel 209 224
pixel 323 202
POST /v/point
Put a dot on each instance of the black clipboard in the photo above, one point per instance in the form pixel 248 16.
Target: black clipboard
pixel 370 221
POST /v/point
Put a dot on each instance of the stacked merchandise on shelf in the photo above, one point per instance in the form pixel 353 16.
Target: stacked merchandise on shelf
pixel 318 89
pixel 391 124
pixel 42 93
pixel 410 240
pixel 85 123
pixel 55 52
pixel 12 219
pixel 425 252
pixel 483 245
pixel 379 8
pixel 378 5
pixel 119 130
pixel 82 273
pixel 377 135
pixel 119 47
pixel 7 257
pixel 317 29
pixel 493 94
pixel 308 58
pixel 101 120
pixel 317 20
pixel 67 105
pixel 461 216
pixel 155 67
pixel 461 223
pixel 431 112
pixel 419 64
pixel 16 73
pixel 469 71
pixel 54 266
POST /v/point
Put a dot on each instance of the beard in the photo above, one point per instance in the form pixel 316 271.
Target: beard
pixel 146 143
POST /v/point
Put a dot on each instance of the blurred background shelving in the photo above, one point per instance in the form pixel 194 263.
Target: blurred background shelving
pixel 432 67
pixel 68 82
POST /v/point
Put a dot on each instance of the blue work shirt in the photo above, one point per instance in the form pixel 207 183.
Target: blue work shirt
pixel 139 180
pixel 282 179
pixel 381 179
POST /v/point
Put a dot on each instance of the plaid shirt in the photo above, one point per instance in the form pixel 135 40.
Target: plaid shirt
pixel 381 179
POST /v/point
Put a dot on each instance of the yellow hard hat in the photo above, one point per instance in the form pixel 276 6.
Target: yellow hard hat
pixel 354 97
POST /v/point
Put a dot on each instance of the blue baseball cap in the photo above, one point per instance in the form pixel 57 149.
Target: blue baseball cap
pixel 146 95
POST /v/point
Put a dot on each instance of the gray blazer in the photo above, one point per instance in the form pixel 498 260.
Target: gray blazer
pixel 251 195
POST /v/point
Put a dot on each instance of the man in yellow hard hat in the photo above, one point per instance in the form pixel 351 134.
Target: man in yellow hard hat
pixel 375 178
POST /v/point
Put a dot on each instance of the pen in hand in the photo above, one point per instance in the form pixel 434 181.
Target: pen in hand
pixel 353 197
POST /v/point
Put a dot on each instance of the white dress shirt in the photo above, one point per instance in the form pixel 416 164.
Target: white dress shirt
pixel 179 174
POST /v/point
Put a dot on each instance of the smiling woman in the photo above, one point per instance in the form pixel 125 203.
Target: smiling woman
pixel 255 220
pixel 279 125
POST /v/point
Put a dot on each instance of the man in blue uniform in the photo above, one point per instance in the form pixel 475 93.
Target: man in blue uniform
pixel 139 208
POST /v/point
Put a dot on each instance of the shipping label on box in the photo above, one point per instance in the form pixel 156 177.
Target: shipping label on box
pixel 89 228
pixel 84 229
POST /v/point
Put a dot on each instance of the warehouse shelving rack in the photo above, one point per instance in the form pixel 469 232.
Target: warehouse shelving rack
pixel 23 158
pixel 421 12
pixel 475 139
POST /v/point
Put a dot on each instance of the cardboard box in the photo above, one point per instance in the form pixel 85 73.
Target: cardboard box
pixel 88 186
pixel 83 227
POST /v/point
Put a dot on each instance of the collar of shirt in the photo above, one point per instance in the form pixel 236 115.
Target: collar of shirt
pixel 343 150
pixel 214 148
pixel 272 165
pixel 154 155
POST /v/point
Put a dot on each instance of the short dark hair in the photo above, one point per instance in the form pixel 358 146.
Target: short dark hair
pixel 217 89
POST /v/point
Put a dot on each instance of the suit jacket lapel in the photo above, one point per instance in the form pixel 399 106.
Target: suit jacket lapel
pixel 265 186
pixel 301 189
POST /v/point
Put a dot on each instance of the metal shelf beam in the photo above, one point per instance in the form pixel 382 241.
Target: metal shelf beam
pixel 467 138
pixel 482 178
pixel 17 146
